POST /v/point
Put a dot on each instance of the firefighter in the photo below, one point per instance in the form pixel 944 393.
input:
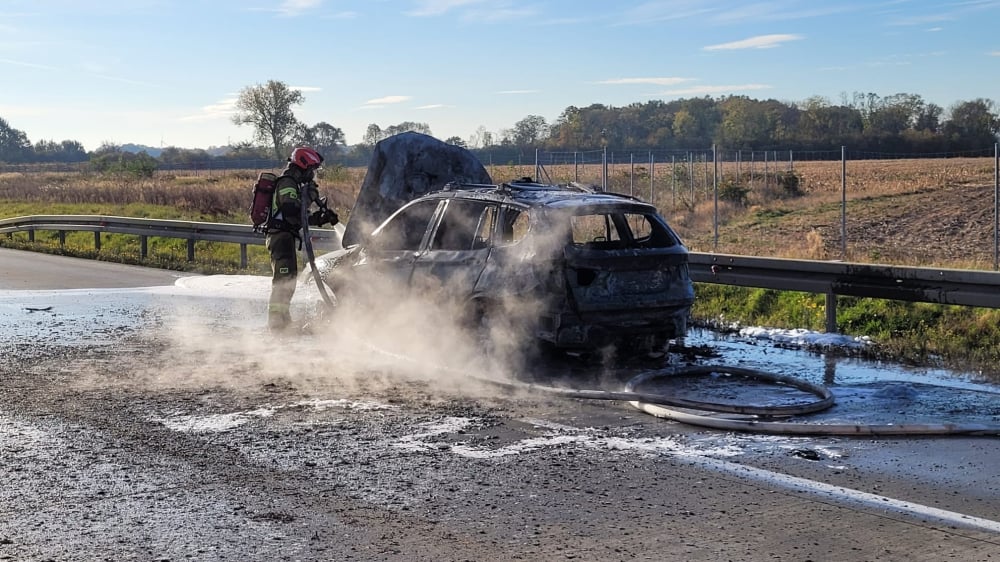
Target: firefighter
pixel 284 230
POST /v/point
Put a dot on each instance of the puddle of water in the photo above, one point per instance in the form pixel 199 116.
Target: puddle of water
pixel 758 352
pixel 867 392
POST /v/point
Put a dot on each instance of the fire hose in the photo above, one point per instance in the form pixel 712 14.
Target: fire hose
pixel 308 198
pixel 774 419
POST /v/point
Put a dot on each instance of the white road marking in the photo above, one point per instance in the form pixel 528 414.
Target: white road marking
pixel 847 496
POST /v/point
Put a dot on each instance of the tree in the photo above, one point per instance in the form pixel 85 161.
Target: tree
pixel 822 125
pixel 973 123
pixel 323 137
pixel 529 131
pixel 247 151
pixel 481 138
pixel 407 126
pixel 745 123
pixel 184 156
pixel 929 118
pixel 456 140
pixel 372 135
pixel 65 151
pixel 268 108
pixel 685 127
pixel 14 144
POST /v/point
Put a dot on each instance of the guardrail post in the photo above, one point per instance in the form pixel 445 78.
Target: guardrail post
pixel 831 313
pixel 97 241
pixel 243 256
pixel 31 235
pixel 62 238
pixel 190 249
pixel 143 247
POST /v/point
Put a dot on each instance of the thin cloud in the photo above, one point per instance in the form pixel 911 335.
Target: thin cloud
pixel 705 90
pixel 292 8
pixel 663 81
pixel 425 8
pixel 27 64
pixel 218 110
pixel 658 11
pixel 386 100
pixel 494 15
pixel 777 11
pixel 758 42
pixel 923 20
pixel 342 16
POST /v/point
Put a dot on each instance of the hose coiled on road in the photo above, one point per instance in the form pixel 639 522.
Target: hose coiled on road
pixel 747 418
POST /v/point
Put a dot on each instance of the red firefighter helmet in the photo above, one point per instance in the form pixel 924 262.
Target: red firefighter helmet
pixel 306 158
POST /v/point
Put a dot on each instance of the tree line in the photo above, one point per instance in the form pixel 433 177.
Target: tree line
pixel 899 123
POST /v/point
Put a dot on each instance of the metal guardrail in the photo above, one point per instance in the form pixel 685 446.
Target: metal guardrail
pixel 191 231
pixel 831 278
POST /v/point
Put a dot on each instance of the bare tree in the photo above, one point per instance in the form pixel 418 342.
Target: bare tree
pixel 268 107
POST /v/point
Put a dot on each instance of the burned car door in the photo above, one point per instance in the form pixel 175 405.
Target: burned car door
pixel 458 247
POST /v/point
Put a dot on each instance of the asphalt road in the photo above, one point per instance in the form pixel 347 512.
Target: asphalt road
pixel 195 440
pixel 21 270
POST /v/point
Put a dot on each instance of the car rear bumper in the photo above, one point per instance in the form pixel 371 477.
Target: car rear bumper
pixel 569 331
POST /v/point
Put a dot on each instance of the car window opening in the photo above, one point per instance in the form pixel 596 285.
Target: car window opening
pixel 405 231
pixel 513 226
pixel 617 231
pixel 466 225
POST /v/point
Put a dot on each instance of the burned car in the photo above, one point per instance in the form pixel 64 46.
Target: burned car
pixel 592 268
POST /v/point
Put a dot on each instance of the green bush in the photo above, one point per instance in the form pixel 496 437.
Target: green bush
pixel 733 192
pixel 790 182
pixel 139 165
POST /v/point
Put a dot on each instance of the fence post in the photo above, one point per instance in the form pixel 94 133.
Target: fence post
pixel 691 177
pixel 631 174
pixel 704 160
pixel 765 170
pixel 996 205
pixel 673 180
pixel 715 188
pixel 604 169
pixel 843 202
pixel 651 170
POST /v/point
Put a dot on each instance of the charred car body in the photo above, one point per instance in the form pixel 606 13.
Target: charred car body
pixel 579 269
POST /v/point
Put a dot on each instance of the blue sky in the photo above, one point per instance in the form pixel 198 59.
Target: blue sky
pixel 166 73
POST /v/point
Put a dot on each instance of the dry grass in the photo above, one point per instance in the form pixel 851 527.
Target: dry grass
pixel 916 212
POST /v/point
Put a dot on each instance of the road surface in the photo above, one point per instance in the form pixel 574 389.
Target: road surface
pixel 182 432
